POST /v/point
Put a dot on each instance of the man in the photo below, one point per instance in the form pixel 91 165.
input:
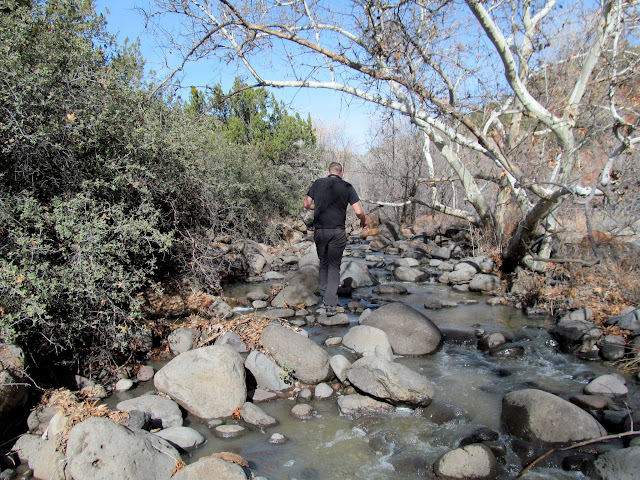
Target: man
pixel 329 197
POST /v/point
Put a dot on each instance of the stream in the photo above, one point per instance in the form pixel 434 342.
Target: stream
pixel 469 386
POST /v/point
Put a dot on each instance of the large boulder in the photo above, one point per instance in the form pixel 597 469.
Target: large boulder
pixel 627 321
pixel 409 331
pixel 390 381
pixel 306 276
pixel 409 274
pixel 184 438
pixel 101 449
pixel 293 295
pixel 163 412
pixel 473 462
pixel 358 272
pixel 307 361
pixel 546 419
pixel 208 382
pixel 367 341
pixel 575 333
pixel 608 385
pixel 483 282
pixel 211 468
pixel 267 373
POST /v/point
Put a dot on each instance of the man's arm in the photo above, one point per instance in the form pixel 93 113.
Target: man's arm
pixel 308 203
pixel 357 208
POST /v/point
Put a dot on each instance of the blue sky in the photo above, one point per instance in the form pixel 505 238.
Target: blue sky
pixel 350 114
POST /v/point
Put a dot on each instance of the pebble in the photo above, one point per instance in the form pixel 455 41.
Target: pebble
pixel 278 439
pixel 302 411
pixel 124 385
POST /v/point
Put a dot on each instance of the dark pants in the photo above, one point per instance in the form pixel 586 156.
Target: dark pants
pixel 330 244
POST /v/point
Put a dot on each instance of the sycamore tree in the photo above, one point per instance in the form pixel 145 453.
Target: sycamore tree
pixel 481 80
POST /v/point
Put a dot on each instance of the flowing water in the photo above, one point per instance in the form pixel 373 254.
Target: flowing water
pixel 469 386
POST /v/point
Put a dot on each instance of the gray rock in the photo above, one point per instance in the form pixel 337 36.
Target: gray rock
pixel 39 418
pixel 307 275
pixel 612 348
pixel 408 274
pixel 366 340
pixel 390 289
pixel 545 419
pixel 441 253
pixel 229 431
pixel 333 320
pixel 14 391
pixel 185 438
pixel 124 384
pixel 473 462
pixel 267 373
pixel 623 464
pixel 308 361
pixel 208 382
pixel 591 402
pixel 27 447
pixel 293 295
pixel 461 276
pixel 491 341
pixel 391 382
pixel 259 304
pixel 261 396
pixel 323 391
pixel 356 405
pixel 273 276
pixel 340 365
pixel 483 282
pixel 164 412
pixel 254 415
pixel 278 439
pixel 255 263
pixel 220 309
pixel 409 331
pixel 233 340
pixel 99 448
pixel 181 340
pixel 211 468
pixel 627 321
pixel 433 303
pixel 145 373
pixel 576 335
pixel 358 272
pixel 302 411
pixel 50 462
pixel 609 385
pixel 481 263
pixel 333 341
pixel 305 394
pixel 252 296
pixel 279 313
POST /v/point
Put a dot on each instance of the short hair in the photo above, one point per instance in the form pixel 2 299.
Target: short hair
pixel 335 167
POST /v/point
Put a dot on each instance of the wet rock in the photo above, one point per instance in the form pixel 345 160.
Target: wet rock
pixel 333 341
pixel 333 320
pixel 260 396
pixel 390 289
pixel 254 415
pixel 433 303
pixel 483 282
pixel 307 360
pixel 608 385
pixel 305 394
pixel 440 413
pixel 409 331
pixel 390 381
pixel 366 340
pixel 208 382
pixel 278 439
pixel 356 405
pixel 267 373
pixel 491 341
pixel 470 462
pixel 576 334
pixel 482 434
pixel 164 412
pixel 229 431
pixel 507 351
pixel 526 451
pixel 545 419
pixel 302 411
pixel 296 294
pixel 211 468
pixel 181 340
pixel 100 448
pixel 124 385
pixel 233 340
pixel 184 438
pixel 621 464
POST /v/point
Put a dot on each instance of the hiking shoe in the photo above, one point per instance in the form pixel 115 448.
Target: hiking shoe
pixel 331 310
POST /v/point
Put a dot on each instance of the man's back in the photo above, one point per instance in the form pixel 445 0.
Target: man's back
pixel 331 196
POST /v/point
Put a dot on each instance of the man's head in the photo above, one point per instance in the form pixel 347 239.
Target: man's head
pixel 335 169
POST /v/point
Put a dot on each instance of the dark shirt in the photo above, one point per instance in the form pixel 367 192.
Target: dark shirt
pixel 331 196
